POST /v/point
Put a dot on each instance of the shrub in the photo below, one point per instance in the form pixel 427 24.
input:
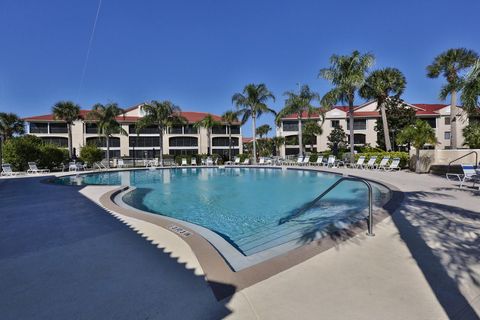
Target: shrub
pixel 90 153
pixel 19 151
pixel 52 156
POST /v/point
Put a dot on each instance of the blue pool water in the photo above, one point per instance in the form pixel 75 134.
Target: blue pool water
pixel 253 209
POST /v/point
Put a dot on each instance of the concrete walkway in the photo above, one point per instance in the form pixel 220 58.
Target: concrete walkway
pixel 77 262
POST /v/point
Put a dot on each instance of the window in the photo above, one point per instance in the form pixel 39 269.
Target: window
pixel 178 152
pixel 223 142
pixel 36 127
pixel 91 128
pixel 113 154
pixel 358 124
pixel 290 126
pixel 101 142
pixel 291 151
pixel 447 120
pixel 58 141
pixel 224 152
pixel 359 138
pixel 431 121
pixel 219 130
pixel 183 142
pixel 140 154
pixel 144 141
pixel 58 128
pixel 175 130
pixel 235 129
pixel 291 141
pixel 335 123
pixel 190 129
pixel 132 129
pixel 446 135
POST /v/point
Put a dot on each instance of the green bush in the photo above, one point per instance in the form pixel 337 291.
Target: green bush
pixel 19 151
pixel 52 156
pixel 90 154
pixel 244 156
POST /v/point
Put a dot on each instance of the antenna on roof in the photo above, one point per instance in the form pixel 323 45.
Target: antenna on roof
pixel 90 42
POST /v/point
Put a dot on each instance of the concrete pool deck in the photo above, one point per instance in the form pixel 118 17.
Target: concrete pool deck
pixel 423 262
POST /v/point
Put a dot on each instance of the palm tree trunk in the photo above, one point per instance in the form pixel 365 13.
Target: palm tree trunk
pixel 160 136
pixel 108 152
pixel 209 151
pixel 453 120
pixel 386 131
pixel 417 161
pixel 70 151
pixel 229 143
pixel 300 140
pixel 254 128
pixel 352 133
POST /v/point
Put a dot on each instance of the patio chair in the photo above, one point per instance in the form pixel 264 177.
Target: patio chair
pixel 237 161
pixel 299 161
pixel 246 162
pixel 306 161
pixel 330 161
pixel 394 165
pixel 358 164
pixel 383 163
pixel 261 161
pixel 209 161
pixel 371 163
pixel 193 161
pixel 184 162
pixel 34 169
pixel 121 163
pixel 7 170
pixel 319 161
pixel 469 174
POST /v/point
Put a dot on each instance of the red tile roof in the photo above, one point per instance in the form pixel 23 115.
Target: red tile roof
pixel 189 115
pixel 246 140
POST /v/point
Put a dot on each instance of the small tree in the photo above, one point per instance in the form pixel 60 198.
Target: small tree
pixel 277 143
pixel 90 153
pixel 418 135
pixel 471 133
pixel 337 139
pixel 230 118
pixel 310 131
pixel 67 111
pixel 10 125
pixel 208 123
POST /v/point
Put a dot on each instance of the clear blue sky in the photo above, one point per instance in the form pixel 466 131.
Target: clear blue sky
pixel 198 53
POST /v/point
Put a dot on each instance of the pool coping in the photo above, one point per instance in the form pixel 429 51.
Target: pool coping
pixel 217 270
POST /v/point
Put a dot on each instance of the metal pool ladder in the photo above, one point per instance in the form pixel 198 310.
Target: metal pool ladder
pixel 333 186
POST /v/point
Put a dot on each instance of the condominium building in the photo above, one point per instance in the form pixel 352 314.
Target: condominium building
pixel 177 140
pixel 365 119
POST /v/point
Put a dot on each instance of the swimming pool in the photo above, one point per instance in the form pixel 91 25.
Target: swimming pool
pixel 254 209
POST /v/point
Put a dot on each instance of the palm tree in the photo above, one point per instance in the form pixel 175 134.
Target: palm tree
pixel 472 135
pixel 208 122
pixel 418 135
pixel 263 130
pixel 161 114
pixel 381 85
pixel 10 125
pixel 449 64
pixel 277 143
pixel 252 103
pixel 471 90
pixel 230 118
pixel 299 104
pixel 311 130
pixel 347 75
pixel 69 112
pixel 106 118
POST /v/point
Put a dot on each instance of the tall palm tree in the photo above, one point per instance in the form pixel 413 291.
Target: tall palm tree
pixel 277 143
pixel 252 103
pixel 161 114
pixel 208 122
pixel 311 130
pixel 69 112
pixel 347 74
pixel 106 118
pixel 381 85
pixel 471 90
pixel 301 105
pixel 10 125
pixel 230 118
pixel 263 130
pixel 418 135
pixel 449 64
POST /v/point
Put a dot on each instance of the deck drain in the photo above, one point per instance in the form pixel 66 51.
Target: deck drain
pixel 180 230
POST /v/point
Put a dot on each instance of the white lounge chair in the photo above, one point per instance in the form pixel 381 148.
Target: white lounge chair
pixel 330 161
pixel 193 161
pixel 7 170
pixel 469 174
pixel 261 161
pixel 371 163
pixel 395 165
pixel 246 162
pixel 383 164
pixel 359 163
pixel 34 169
pixel 209 161
pixel 299 160
pixel 319 161
pixel 237 161
pixel 121 163
pixel 184 162
pixel 306 161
